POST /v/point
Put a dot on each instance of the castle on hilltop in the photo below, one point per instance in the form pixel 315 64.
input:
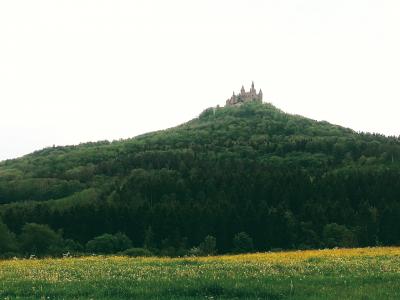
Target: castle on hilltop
pixel 245 96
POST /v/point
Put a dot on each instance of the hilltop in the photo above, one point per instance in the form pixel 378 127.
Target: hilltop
pixel 285 180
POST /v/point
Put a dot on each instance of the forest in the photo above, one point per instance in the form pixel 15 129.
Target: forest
pixel 235 179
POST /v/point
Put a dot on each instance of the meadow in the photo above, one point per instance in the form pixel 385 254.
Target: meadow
pixel 363 273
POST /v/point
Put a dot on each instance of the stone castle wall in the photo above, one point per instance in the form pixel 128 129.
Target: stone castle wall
pixel 245 97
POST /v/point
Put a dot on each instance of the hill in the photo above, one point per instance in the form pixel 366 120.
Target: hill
pixel 285 180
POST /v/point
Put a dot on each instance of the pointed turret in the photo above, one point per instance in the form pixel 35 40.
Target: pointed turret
pixel 252 86
pixel 244 96
pixel 233 98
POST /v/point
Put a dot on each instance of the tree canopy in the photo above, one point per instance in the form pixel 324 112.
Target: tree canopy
pixel 284 180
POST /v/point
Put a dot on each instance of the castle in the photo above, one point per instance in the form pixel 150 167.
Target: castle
pixel 245 96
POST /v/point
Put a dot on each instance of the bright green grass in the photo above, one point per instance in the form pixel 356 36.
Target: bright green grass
pixel 329 274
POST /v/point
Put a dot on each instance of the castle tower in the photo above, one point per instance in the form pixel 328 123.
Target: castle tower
pixel 252 90
pixel 233 98
pixel 244 96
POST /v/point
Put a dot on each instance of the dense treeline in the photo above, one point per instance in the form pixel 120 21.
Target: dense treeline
pixel 284 181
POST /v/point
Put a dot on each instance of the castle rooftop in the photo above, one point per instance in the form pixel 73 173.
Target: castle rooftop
pixel 244 96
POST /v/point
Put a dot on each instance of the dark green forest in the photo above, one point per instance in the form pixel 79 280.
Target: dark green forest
pixel 248 178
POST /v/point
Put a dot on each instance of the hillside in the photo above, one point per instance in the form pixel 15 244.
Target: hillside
pixel 288 181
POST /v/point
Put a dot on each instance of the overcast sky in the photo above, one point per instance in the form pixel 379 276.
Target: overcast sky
pixel 75 71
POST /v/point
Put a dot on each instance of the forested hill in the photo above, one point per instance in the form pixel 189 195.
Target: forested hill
pixel 285 180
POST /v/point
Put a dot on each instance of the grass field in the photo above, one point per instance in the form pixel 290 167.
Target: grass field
pixel 370 273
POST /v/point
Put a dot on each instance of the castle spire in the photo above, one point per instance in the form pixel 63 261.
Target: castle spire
pixel 253 90
pixel 243 96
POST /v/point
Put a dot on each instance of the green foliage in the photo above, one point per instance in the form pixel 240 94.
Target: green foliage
pixel 335 235
pixel 109 243
pixel 281 178
pixel 40 240
pixel 208 246
pixel 8 242
pixel 137 252
pixel 149 242
pixel 195 251
pixel 36 189
pixel 332 274
pixel 72 246
pixel 242 243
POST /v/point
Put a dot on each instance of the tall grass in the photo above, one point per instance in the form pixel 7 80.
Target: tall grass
pixel 371 273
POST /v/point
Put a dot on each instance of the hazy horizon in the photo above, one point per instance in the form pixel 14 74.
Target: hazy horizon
pixel 83 71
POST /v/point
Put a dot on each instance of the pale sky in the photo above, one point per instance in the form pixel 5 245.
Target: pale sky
pixel 76 71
